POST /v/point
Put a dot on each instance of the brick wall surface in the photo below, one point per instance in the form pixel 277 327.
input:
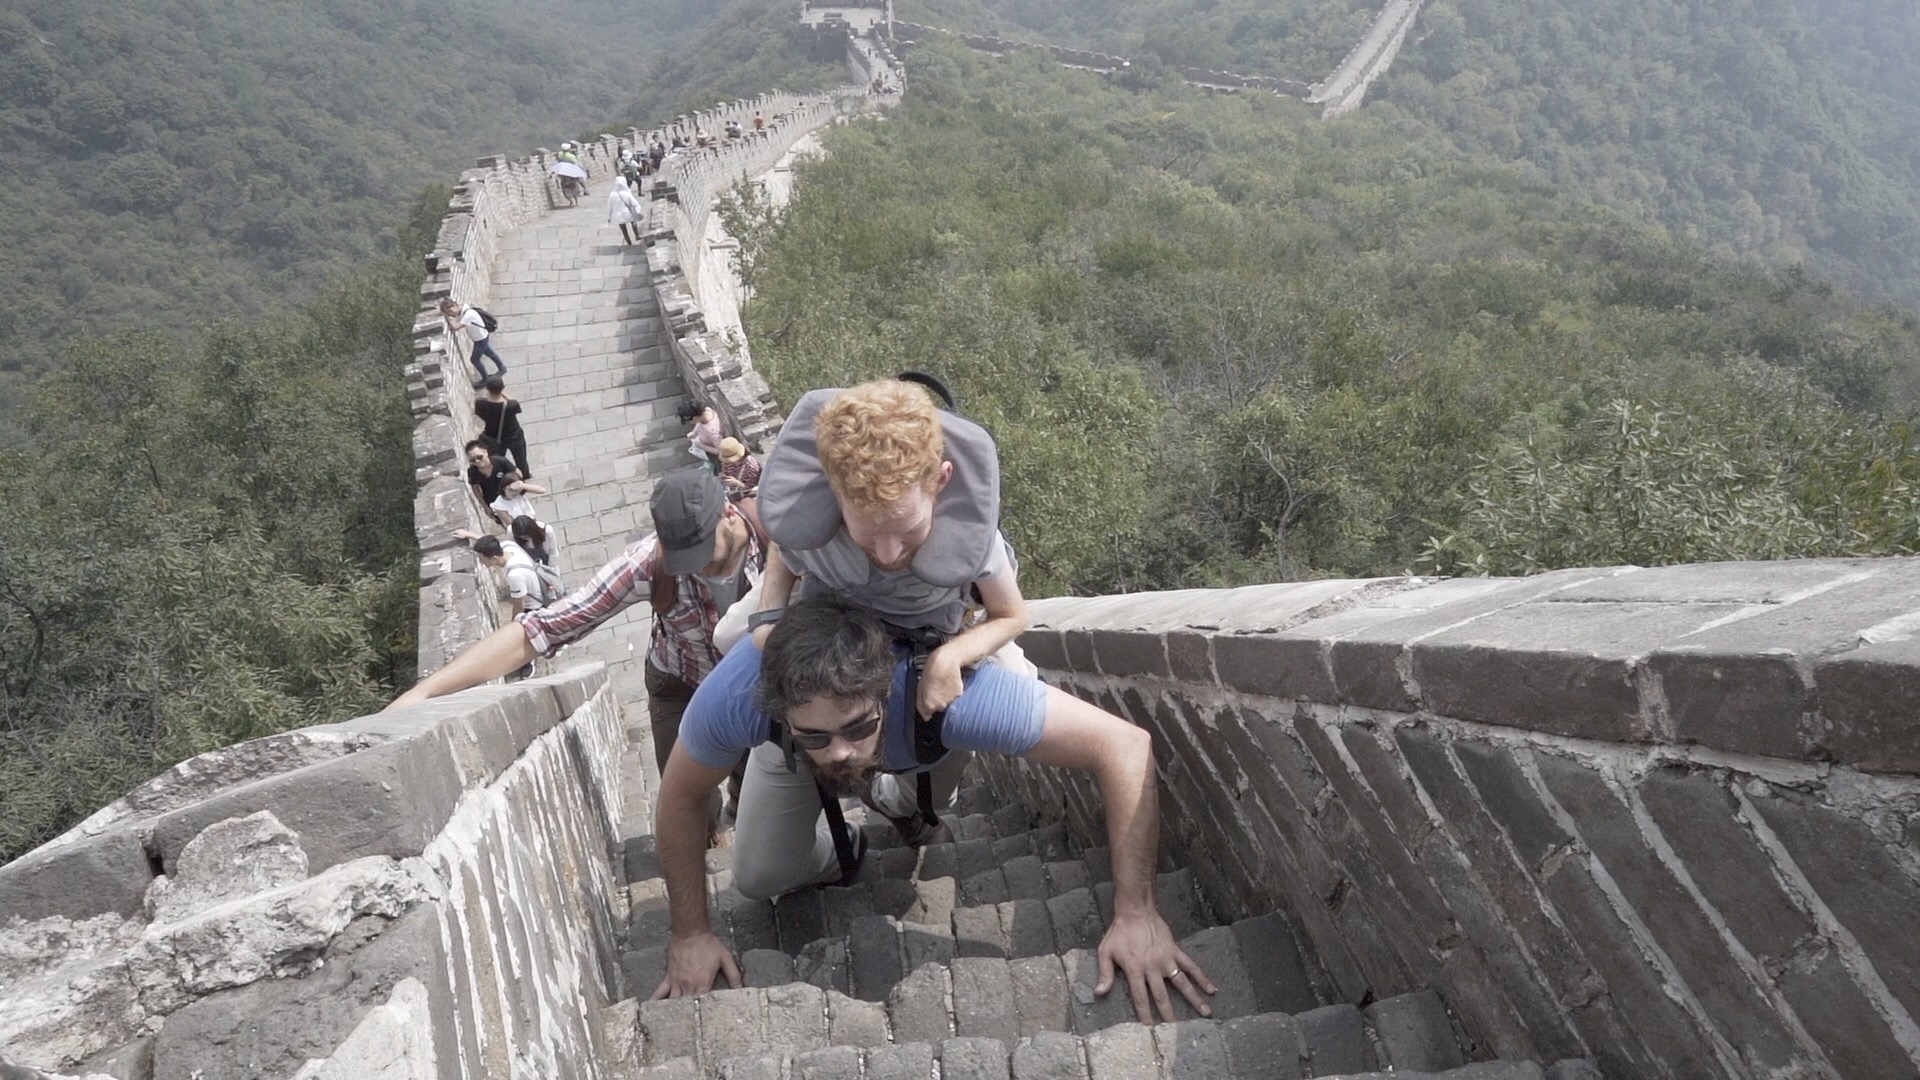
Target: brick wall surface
pixel 1664 818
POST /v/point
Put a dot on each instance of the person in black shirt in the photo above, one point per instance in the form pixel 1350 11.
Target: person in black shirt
pixel 500 421
pixel 487 474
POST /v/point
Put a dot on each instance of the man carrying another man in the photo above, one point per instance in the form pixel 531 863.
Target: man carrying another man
pixel 884 507
pixel 885 513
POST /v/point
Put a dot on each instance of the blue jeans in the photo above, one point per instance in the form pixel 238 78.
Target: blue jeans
pixel 484 347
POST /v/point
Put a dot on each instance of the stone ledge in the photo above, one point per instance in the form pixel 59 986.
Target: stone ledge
pixel 1808 659
pixel 387 791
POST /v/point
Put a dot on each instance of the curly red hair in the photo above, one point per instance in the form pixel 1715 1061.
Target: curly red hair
pixel 877 441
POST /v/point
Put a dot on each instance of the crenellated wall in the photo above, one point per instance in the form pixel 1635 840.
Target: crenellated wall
pixel 1665 818
pixel 714 368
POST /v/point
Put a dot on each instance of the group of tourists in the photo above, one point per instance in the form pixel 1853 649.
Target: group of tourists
pixel 852 637
pixel 499 473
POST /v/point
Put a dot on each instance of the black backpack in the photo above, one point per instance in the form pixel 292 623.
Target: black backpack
pixel 486 318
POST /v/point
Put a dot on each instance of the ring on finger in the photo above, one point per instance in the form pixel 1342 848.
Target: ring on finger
pixel 1175 973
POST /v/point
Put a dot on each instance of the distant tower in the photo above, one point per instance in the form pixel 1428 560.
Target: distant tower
pixel 888 4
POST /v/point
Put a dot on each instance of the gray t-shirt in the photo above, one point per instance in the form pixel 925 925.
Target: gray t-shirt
pixel 898 596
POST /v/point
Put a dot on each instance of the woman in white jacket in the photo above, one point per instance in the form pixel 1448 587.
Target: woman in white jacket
pixel 624 209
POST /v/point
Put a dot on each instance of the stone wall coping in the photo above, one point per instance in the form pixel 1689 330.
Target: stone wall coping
pixel 1809 660
pixel 376 785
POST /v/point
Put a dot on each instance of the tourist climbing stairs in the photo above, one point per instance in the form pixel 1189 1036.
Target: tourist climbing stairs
pixel 975 960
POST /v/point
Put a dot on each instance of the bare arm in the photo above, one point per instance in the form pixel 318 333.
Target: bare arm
pixel 1006 619
pixel 494 656
pixel 1120 757
pixel 694 955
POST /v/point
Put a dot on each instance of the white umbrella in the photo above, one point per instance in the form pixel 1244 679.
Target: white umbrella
pixel 567 168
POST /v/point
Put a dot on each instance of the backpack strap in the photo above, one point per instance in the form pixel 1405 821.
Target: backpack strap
pixel 845 849
pixel 663 588
pixel 928 745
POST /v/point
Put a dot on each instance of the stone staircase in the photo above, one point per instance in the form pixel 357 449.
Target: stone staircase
pixel 979 955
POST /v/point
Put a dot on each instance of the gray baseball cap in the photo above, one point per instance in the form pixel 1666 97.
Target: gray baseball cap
pixel 687 504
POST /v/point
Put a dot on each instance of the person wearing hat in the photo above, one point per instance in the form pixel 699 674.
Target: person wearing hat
pixel 703 556
pixel 878 500
pixel 703 439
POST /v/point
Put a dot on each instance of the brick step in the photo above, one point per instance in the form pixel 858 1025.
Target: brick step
pixel 802 1031
pixel 863 939
pixel 981 842
pixel 908 883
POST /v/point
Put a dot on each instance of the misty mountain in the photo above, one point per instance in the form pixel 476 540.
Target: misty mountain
pixel 173 161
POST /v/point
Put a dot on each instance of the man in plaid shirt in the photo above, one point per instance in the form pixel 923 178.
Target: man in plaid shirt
pixel 703 557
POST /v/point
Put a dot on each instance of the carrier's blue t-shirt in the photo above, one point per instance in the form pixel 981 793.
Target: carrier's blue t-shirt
pixel 1000 711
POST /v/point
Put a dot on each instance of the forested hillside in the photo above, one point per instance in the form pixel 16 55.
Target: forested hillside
pixel 1783 130
pixel 173 161
pixel 211 220
pixel 1294 39
pixel 1739 122
pixel 746 50
pixel 1222 341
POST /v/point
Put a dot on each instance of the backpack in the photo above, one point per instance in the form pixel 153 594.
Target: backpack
pixel 486 318
pixel 552 587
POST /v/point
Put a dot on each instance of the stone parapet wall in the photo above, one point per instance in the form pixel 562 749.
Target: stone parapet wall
pixel 424 894
pixel 1664 818
pixel 713 368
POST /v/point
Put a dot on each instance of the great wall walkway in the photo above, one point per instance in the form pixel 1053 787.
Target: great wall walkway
pixel 591 362
pixel 1656 823
pixel 1006 917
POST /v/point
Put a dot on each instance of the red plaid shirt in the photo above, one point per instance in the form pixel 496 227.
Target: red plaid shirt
pixel 682 642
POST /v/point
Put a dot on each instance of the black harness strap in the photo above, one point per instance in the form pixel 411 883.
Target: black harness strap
pixel 927 746
pixel 843 844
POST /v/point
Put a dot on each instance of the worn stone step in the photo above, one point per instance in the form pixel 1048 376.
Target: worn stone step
pixel 864 938
pixel 1414 1033
pixel 1025 863
pixel 883 947
pixel 755 1022
pixel 1009 999
pixel 740 1035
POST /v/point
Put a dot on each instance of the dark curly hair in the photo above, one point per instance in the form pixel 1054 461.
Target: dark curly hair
pixel 824 646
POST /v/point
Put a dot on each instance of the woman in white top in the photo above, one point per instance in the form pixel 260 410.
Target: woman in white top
pixel 624 209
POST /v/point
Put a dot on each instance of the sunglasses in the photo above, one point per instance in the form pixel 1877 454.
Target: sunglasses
pixel 820 740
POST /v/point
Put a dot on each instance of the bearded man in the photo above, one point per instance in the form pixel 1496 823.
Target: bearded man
pixel 884 507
